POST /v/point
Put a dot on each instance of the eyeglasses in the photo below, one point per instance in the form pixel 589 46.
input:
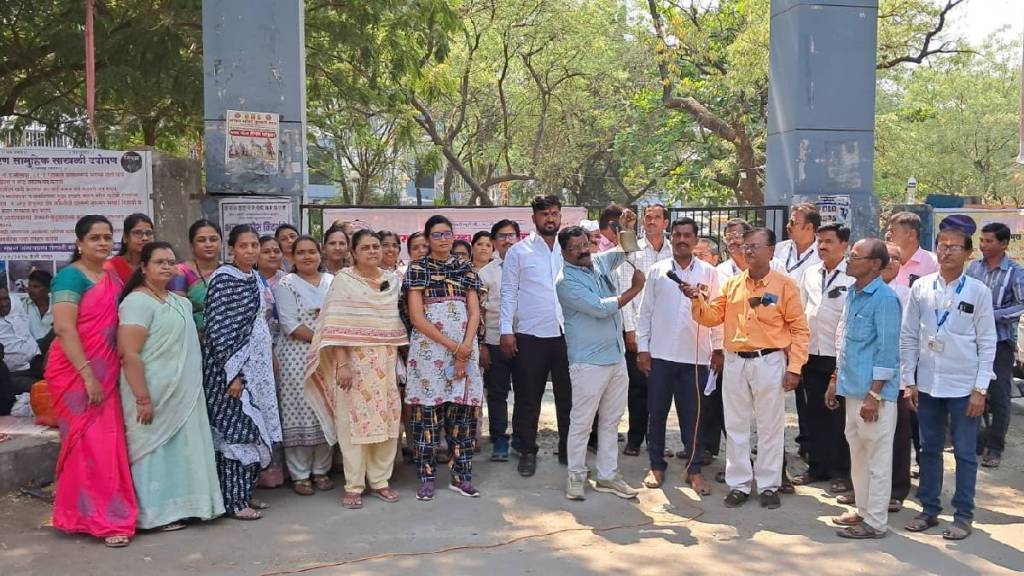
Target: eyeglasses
pixel 506 236
pixel 752 247
pixel 142 233
pixel 442 235
pixel 948 248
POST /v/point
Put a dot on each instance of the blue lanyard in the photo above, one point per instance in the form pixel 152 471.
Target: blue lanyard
pixel 939 321
pixel 799 262
pixel 824 286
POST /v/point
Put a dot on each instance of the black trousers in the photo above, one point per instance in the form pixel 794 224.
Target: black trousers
pixel 636 402
pixel 992 435
pixel 903 441
pixel 828 451
pixel 497 384
pixel 537 358
pixel 712 422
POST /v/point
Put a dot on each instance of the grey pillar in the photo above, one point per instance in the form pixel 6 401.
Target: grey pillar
pixel 821 107
pixel 254 60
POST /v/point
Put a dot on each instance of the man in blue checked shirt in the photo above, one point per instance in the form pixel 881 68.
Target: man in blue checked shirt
pixel 1005 279
pixel 867 376
pixel 588 292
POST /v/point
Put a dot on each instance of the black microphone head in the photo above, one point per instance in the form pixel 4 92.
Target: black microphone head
pixel 384 286
pixel 674 277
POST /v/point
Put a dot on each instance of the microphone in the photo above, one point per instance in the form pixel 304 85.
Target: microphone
pixel 674 277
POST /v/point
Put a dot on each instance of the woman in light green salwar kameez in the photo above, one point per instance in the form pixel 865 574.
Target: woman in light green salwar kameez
pixel 170 447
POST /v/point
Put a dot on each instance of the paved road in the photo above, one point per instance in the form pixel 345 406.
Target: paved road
pixel 526 526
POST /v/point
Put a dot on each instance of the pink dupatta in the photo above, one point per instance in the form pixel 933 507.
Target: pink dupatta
pixel 95 494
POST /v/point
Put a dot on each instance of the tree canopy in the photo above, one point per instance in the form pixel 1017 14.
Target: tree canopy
pixel 596 100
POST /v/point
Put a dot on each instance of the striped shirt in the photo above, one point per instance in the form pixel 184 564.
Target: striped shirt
pixel 1006 282
pixel 643 260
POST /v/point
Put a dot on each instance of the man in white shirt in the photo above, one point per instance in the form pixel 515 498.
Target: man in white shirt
pixel 795 256
pixel 653 248
pixel 19 350
pixel 947 346
pixel 675 352
pixel 892 270
pixel 800 251
pixel 707 251
pixel 497 368
pixel 823 291
pixel 532 324
pixel 38 309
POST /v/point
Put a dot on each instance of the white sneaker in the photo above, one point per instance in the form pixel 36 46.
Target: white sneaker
pixel 616 485
pixel 575 486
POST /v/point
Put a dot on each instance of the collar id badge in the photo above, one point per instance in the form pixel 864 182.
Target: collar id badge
pixel 936 345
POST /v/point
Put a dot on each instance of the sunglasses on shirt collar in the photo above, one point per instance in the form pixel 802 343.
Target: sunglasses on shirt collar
pixel 766 299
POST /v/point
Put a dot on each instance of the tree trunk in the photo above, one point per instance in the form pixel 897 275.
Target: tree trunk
pixel 748 188
pixel 149 131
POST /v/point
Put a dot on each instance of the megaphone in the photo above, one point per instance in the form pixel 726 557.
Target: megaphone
pixel 627 239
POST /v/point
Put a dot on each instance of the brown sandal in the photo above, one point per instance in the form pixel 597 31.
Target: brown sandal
pixel 848 519
pixel 386 494
pixel 322 482
pixel 921 522
pixel 303 487
pixel 352 501
pixel 247 513
pixel 861 532
pixel 116 541
pixel 957 531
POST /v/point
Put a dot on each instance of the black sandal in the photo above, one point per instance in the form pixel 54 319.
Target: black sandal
pixel 957 531
pixel 921 522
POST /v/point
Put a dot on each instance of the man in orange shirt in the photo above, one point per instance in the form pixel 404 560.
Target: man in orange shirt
pixel 765 343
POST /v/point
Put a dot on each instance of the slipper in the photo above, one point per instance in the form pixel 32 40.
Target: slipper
pixel 386 494
pixel 895 505
pixel 840 486
pixel 957 531
pixel 116 541
pixel 669 453
pixel 847 499
pixel 172 527
pixel 322 483
pixel 631 450
pixel 257 504
pixel 246 514
pixel 302 488
pixel 352 501
pixel 921 522
pixel 848 519
pixel 652 481
pixel 990 461
pixel 861 532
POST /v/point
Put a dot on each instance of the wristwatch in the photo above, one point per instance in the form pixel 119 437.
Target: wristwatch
pixel 875 395
pixel 980 391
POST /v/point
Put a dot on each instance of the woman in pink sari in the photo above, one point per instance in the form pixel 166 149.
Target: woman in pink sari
pixel 95 494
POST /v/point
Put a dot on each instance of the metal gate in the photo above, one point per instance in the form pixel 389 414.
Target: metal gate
pixel 711 219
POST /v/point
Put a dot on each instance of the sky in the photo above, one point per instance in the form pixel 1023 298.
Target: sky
pixel 976 19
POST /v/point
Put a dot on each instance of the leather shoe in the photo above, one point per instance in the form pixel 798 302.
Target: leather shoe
pixel 527 465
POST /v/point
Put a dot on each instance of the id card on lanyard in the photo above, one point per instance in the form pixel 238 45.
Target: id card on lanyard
pixel 935 344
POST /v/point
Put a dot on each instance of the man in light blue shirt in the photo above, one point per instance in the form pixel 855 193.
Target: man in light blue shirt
pixel 588 292
pixel 867 370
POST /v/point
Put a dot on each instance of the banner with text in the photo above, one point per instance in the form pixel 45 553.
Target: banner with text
pixel 44 191
pixel 264 214
pixel 465 221
pixel 972 220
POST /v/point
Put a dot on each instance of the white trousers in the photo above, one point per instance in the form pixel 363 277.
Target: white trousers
pixel 871 461
pixel 596 389
pixel 752 393
pixel 305 460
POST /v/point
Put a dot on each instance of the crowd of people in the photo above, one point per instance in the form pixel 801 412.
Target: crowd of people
pixel 181 382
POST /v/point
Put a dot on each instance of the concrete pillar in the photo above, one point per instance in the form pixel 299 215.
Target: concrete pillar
pixel 821 105
pixel 254 61
pixel 177 192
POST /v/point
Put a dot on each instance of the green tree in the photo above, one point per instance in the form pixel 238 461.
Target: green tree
pixel 953 125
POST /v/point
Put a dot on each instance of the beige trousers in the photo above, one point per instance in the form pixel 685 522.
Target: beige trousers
pixel 365 464
pixel 871 461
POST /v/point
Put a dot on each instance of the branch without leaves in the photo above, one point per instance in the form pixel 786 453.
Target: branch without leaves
pixel 926 46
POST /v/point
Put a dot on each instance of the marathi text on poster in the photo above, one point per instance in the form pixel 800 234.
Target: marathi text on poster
pixel 252 142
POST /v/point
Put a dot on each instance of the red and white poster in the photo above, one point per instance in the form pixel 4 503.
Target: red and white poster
pixel 465 221
pixel 252 142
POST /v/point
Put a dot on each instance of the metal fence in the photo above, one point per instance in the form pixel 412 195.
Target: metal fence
pixel 711 220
